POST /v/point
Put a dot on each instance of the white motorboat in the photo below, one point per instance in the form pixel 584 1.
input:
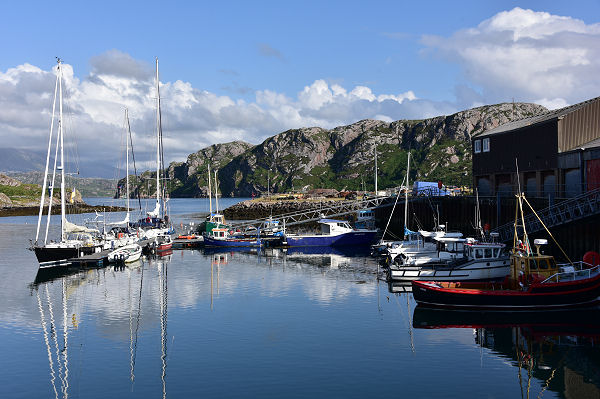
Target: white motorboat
pixel 128 253
pixel 479 261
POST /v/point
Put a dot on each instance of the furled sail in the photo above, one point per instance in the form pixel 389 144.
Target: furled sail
pixel 156 211
pixel 124 222
pixel 73 228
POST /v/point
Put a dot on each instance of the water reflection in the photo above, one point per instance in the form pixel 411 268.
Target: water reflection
pixel 557 349
pixel 69 300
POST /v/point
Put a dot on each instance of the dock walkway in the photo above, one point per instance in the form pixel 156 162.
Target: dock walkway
pixel 315 214
pixel 580 207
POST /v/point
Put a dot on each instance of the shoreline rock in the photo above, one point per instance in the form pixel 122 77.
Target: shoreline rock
pixel 34 210
pixel 257 209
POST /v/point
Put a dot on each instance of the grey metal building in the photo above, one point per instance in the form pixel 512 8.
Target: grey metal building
pixel 558 154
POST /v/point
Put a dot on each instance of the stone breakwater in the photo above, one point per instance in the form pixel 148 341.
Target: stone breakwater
pixel 34 210
pixel 257 209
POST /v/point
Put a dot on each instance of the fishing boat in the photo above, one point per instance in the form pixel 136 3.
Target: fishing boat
pixel 333 232
pixel 457 260
pixel 535 281
pixel 126 254
pixel 75 241
pixel 221 237
pixel 214 220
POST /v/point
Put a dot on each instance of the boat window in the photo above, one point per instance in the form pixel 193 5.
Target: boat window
pixel 488 252
pixel 478 253
pixel 544 264
pixel 533 264
pixel 496 252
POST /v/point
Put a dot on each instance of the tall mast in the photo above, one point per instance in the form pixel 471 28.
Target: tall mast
pixel 406 195
pixel 62 157
pixel 375 170
pixel 127 135
pixel 157 141
pixel 209 193
pixel 216 191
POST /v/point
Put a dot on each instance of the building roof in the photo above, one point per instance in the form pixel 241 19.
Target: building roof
pixel 534 120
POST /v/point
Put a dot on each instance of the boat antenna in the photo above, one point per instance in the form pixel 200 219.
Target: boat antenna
pixel 478 214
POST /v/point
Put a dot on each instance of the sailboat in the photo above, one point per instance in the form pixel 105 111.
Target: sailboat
pixel 75 241
pixel 157 225
pixel 120 234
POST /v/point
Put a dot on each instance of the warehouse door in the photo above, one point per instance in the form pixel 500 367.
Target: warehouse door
pixel 593 174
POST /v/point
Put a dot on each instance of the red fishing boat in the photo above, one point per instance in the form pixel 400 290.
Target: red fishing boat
pixel 535 281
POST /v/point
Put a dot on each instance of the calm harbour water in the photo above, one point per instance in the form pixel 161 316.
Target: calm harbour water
pixel 268 324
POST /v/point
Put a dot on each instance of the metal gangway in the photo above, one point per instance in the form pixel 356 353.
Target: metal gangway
pixel 314 214
pixel 580 207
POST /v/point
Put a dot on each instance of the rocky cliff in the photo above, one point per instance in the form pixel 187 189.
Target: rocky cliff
pixel 343 157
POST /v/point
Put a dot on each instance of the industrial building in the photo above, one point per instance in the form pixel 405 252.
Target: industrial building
pixel 558 154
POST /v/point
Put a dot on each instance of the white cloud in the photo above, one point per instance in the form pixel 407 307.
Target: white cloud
pixel 192 118
pixel 527 55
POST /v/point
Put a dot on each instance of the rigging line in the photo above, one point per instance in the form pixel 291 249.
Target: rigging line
pixel 135 171
pixel 41 212
pixel 536 215
pixel 51 195
pixel 47 342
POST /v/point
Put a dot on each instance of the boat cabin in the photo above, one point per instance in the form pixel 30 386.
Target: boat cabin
pixel 527 266
pixel 216 218
pixel 365 219
pixel 451 244
pixel 332 226
pixel 83 237
pixel 220 233
pixel 485 250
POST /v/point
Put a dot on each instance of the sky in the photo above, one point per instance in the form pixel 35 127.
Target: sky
pixel 249 70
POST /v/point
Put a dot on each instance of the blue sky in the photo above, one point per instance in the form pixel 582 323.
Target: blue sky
pixel 248 70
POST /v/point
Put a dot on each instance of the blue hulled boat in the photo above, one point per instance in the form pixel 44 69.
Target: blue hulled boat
pixel 220 238
pixel 333 233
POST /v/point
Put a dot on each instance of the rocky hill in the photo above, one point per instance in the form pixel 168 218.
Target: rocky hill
pixel 88 186
pixel 343 157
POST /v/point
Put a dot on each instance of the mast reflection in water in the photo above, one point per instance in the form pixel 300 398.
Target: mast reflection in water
pixel 559 349
pixel 64 301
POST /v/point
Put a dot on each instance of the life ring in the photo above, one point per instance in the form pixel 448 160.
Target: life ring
pixel 120 235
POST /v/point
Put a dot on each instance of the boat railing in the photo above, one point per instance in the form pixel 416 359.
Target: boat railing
pixel 574 271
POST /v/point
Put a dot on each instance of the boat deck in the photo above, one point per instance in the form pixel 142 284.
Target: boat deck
pixel 188 243
pixel 97 258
